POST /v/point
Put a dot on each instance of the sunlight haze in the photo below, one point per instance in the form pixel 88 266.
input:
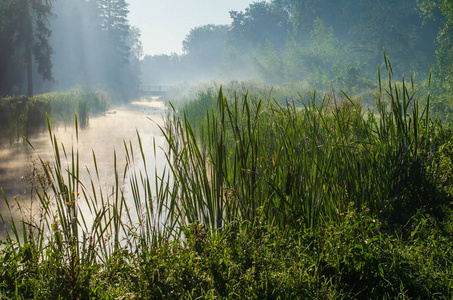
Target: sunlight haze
pixel 226 149
pixel 164 24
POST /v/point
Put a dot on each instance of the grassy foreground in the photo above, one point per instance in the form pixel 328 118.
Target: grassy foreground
pixel 314 199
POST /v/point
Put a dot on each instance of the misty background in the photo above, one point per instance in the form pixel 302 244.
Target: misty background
pixel 323 43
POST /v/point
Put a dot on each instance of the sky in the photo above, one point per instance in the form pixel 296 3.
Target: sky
pixel 165 23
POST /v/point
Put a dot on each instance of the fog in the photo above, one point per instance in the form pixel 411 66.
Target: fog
pixel 320 44
pixel 95 54
pixel 331 43
pixel 93 44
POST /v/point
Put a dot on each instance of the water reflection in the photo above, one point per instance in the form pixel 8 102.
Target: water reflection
pixel 104 135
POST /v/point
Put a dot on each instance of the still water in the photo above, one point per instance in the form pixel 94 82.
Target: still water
pixel 104 135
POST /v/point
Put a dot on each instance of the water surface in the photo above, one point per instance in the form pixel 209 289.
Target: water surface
pixel 104 135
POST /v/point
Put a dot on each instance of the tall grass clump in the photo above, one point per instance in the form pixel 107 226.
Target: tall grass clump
pixel 78 228
pixel 301 164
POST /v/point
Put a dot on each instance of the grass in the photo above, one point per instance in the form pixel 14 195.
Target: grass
pixel 338 202
pixel 23 116
pixel 319 156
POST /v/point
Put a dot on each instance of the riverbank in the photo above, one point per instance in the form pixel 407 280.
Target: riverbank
pixel 23 116
pixel 314 199
pixel 105 136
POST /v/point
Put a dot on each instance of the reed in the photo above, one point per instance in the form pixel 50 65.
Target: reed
pixel 23 116
pixel 252 173
pixel 298 165
pixel 303 163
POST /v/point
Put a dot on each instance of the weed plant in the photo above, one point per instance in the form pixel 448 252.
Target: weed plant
pixel 302 164
pixel 316 200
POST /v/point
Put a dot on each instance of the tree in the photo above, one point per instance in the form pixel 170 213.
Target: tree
pixel 74 39
pixel 324 54
pixel 6 49
pixel 163 70
pixel 96 47
pixel 442 10
pixel 114 22
pixel 116 29
pixel 261 22
pixel 131 72
pixel 27 35
pixel 203 47
pixel 393 25
pixel 268 64
pixel 367 26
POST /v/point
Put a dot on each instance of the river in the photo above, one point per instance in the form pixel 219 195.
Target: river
pixel 104 136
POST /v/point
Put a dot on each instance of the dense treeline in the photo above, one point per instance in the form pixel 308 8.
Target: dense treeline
pixel 24 34
pixel 321 42
pixel 203 52
pixel 48 45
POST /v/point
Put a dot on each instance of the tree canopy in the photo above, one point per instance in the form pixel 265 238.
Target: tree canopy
pixel 442 11
pixel 25 35
pixel 318 41
pixel 68 43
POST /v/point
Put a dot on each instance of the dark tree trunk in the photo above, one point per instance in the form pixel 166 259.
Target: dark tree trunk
pixel 3 86
pixel 29 60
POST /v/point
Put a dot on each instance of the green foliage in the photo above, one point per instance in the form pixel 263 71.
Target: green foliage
pixel 362 259
pixel 201 39
pixel 336 203
pixel 320 42
pixel 267 64
pixel 91 44
pixel 318 157
pixel 443 10
pixel 395 26
pixel 117 40
pixel 359 260
pixel 351 78
pixel 320 60
pixel 23 116
pixel 259 22
pixel 442 140
pixel 27 36
pixel 203 48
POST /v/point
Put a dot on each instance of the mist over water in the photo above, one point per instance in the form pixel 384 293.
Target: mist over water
pixel 104 135
pixel 93 45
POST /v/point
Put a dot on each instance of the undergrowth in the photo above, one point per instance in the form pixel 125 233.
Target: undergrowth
pixel 361 259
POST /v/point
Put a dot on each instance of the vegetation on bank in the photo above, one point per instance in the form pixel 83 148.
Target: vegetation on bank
pixel 24 116
pixel 363 258
pixel 317 198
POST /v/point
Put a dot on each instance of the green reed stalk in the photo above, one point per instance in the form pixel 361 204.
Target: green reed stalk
pixel 300 165
pixel 254 160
